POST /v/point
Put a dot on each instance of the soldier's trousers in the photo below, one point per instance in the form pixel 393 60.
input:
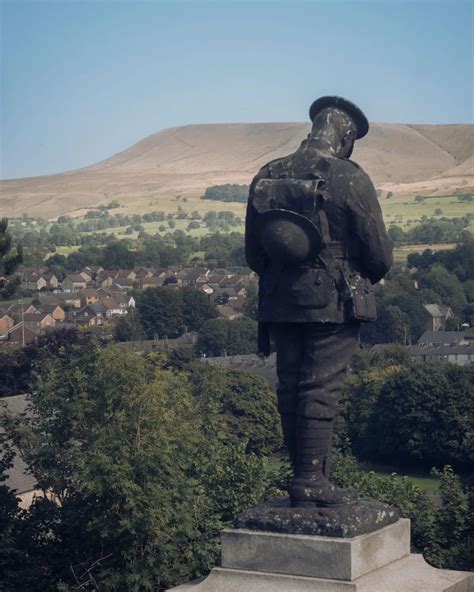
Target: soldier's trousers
pixel 312 360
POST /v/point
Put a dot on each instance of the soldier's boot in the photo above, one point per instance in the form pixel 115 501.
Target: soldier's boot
pixel 288 425
pixel 310 486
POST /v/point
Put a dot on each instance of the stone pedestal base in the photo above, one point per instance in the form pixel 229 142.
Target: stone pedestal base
pixel 379 561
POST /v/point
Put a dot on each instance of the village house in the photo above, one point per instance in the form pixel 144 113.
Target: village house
pixel 57 312
pixel 6 323
pixel 64 300
pixel 94 270
pixel 115 306
pixel 91 315
pixel 446 338
pixel 104 279
pixel 439 314
pixel 39 320
pixel 17 309
pixel 52 281
pixel 23 334
pixel 125 281
pixel 234 281
pixel 455 347
pixel 144 272
pixel 112 290
pixel 86 274
pixel 32 281
pixel 17 476
pixel 227 312
pixel 206 288
pixel 462 355
pixel 89 296
pixel 73 283
pixel 152 282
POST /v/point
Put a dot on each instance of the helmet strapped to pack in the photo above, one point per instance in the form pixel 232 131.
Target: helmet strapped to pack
pixel 285 223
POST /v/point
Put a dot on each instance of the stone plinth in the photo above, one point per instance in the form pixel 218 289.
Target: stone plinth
pixel 379 561
pixel 338 521
pixel 319 557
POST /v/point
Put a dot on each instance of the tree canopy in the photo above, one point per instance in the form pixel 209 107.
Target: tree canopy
pixel 10 259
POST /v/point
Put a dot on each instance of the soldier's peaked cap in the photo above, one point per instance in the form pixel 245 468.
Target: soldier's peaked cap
pixel 352 110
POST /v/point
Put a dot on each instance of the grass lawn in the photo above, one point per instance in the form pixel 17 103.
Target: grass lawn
pixel 428 484
pixel 421 479
pixel 26 300
pixel 63 251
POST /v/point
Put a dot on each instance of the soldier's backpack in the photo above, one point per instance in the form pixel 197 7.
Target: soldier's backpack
pixel 294 229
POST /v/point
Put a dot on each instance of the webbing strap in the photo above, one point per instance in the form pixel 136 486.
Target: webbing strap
pixel 328 255
pixel 324 226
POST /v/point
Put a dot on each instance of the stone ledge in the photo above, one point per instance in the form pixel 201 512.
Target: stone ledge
pixel 321 557
pixel 410 574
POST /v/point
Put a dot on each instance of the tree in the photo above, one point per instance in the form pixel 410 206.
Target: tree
pixel 134 482
pixel 161 312
pixel 17 366
pixel 413 310
pixel 445 284
pixel 242 337
pixel 56 261
pixel 223 250
pixel 129 328
pixel 391 326
pixel 116 255
pixel 403 413
pixel 9 262
pixel 423 414
pixel 468 288
pixel 213 338
pixel 197 308
pixel 227 192
pixel 396 234
pixel 219 337
pixel 239 405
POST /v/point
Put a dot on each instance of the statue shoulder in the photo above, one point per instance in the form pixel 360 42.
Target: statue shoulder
pixel 265 172
pixel 353 170
pixel 350 165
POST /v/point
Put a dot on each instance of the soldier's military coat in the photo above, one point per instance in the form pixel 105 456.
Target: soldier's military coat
pixel 358 239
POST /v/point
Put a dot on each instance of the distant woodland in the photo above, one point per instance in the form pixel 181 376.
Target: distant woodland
pixel 227 192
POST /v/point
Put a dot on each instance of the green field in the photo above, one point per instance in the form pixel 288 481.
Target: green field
pixel 64 251
pixel 154 228
pixel 400 253
pixel 406 212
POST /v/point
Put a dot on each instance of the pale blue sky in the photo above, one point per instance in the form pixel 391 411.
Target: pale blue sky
pixel 82 80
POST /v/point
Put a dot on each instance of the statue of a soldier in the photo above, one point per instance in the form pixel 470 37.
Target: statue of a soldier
pixel 316 238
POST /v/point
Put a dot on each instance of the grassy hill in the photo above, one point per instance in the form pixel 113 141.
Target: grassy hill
pixel 162 169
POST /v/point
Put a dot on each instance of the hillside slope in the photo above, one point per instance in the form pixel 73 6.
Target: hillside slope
pixel 185 160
